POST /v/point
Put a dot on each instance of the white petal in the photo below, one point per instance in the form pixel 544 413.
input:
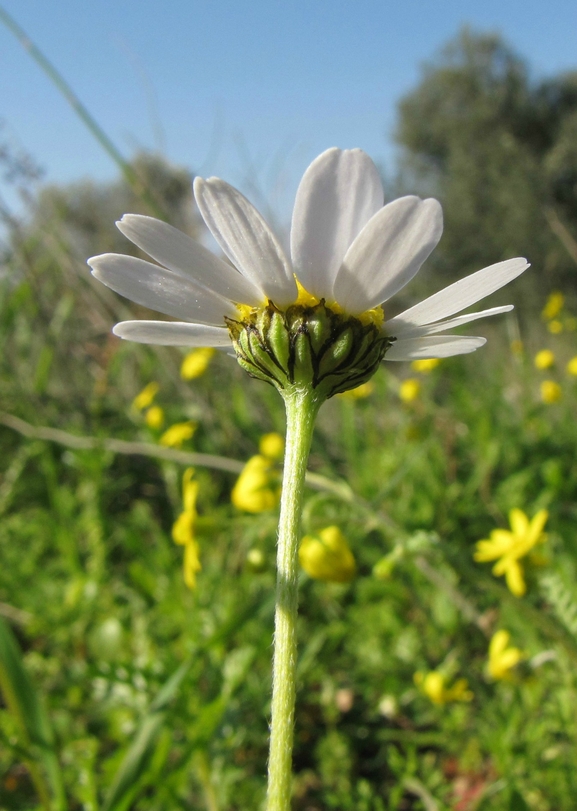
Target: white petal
pixel 338 195
pixel 172 333
pixel 388 252
pixel 181 254
pixel 412 331
pixel 160 289
pixel 441 346
pixel 246 239
pixel 461 294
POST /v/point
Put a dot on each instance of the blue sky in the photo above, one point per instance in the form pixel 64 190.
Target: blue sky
pixel 242 89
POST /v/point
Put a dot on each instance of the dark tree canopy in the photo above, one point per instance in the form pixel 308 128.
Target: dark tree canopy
pixel 500 152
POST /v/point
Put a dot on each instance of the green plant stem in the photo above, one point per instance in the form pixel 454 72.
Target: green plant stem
pixel 81 111
pixel 301 408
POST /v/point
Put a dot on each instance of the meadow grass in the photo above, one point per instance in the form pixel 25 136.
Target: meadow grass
pixel 155 696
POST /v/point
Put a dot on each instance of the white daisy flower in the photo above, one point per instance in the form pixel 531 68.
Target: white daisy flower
pixel 349 252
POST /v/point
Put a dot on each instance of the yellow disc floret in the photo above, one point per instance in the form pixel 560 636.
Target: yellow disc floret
pixel 374 316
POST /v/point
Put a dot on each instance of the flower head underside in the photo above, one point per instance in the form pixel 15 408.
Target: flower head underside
pixel 349 254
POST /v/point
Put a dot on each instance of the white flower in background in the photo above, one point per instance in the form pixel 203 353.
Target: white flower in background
pixel 348 251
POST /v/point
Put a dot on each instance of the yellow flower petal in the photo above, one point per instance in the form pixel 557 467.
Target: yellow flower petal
pixel 498 643
pixel 536 527
pixel 425 366
pixel 362 391
pixel 551 392
pixel 544 359
pixel 183 528
pixel 432 684
pixel 178 433
pixel 327 556
pixel 500 542
pixel 191 564
pixel 154 417
pixel 572 366
pixel 272 446
pixel 554 305
pixel 519 522
pixel 257 488
pixel 189 490
pixel 146 396
pixel 514 578
pixel 502 659
pixel 196 363
pixel 409 390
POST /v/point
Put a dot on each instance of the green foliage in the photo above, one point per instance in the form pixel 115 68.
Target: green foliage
pixel 499 151
pixel 122 689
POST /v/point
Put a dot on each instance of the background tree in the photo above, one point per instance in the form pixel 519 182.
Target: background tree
pixel 500 152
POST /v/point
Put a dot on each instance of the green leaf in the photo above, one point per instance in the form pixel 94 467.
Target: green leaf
pixel 25 705
pixel 516 802
pixel 127 781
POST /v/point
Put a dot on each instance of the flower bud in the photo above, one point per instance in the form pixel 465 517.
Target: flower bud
pixel 327 556
pixel 308 344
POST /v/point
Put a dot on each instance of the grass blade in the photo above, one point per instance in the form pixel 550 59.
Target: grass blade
pixel 24 703
pixel 126 782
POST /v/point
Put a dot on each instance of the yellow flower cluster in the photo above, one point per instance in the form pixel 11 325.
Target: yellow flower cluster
pixel 174 436
pixel 153 414
pixel 410 389
pixel 551 391
pixel 327 556
pixel 257 489
pixel 553 314
pixel 433 685
pixel 184 528
pixel 553 306
pixel 507 547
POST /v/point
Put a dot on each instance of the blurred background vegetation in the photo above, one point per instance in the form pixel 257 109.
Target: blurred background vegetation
pixel 125 689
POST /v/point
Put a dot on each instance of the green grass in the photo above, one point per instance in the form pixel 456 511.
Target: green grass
pixel 134 692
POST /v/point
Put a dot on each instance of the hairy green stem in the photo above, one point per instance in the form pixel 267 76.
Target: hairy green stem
pixel 301 407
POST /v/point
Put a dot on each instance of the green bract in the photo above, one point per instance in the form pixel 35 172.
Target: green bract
pixel 308 346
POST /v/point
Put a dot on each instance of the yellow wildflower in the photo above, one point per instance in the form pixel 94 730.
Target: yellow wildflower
pixel 362 391
pixel 502 659
pixel 544 359
pixel 554 305
pixel 271 446
pixel 327 556
pixel 154 417
pixel 572 366
pixel 555 326
pixel 191 564
pixel 425 365
pixel 178 433
pixel 433 685
pixel 196 363
pixel 551 392
pixel 507 547
pixel 257 488
pixel 183 530
pixel 409 390
pixel 146 396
